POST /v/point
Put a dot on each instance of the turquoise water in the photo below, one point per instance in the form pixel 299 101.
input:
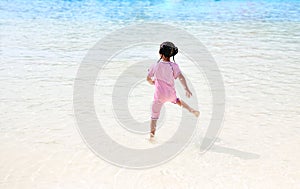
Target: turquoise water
pixel 255 44
pixel 222 10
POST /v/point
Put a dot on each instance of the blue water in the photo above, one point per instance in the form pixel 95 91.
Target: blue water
pixel 254 42
pixel 155 10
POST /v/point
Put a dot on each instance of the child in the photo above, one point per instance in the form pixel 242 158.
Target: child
pixel 162 74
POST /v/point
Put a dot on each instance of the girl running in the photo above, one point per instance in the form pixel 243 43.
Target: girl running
pixel 162 75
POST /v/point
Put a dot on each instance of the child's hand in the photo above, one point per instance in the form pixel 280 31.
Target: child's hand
pixel 150 81
pixel 188 93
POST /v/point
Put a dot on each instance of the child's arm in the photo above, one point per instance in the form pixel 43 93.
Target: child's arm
pixel 149 79
pixel 183 82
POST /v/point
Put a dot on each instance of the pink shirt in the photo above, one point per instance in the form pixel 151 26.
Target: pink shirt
pixel 164 74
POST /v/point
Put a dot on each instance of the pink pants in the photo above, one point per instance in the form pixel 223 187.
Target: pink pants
pixel 163 93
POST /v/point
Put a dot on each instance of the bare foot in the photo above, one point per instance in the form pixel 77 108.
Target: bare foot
pixel 152 133
pixel 152 140
pixel 195 112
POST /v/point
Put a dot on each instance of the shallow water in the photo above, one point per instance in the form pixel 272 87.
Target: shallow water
pixel 255 44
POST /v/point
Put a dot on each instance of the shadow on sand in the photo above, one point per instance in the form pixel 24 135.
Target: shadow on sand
pixel 231 151
pixel 234 152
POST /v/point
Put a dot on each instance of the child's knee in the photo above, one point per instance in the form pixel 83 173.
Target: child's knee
pixel 156 107
pixel 178 102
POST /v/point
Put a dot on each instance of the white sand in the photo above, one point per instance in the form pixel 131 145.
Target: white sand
pixel 257 148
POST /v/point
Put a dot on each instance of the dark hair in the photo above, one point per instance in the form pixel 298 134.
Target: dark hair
pixel 168 49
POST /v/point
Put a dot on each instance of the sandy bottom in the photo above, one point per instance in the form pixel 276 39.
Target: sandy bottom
pixel 258 146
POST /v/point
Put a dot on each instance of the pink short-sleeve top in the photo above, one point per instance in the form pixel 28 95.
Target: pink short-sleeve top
pixel 164 74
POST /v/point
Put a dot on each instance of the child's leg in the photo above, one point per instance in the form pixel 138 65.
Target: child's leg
pixel 153 127
pixel 156 107
pixel 186 106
